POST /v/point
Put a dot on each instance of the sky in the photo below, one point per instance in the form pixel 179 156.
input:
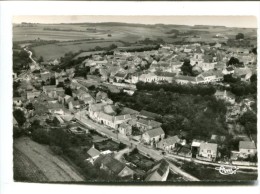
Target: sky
pixel 229 21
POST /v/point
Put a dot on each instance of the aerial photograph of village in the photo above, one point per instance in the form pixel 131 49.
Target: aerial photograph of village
pixel 134 99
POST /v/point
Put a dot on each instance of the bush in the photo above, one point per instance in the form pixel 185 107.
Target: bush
pixel 56 149
pixel 41 136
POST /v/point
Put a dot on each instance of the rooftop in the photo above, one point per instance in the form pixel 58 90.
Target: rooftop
pixel 247 145
pixel 155 132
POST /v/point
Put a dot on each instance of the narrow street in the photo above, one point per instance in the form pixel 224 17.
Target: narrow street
pixel 156 155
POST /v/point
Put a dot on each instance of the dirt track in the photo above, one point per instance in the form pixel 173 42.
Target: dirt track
pixel 35 162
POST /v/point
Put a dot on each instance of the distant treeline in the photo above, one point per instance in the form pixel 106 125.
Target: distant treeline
pixel 66 30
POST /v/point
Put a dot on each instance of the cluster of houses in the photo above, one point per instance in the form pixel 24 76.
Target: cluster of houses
pixel 164 64
pixel 46 92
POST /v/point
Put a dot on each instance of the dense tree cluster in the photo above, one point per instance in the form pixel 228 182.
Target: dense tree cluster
pixel 199 116
pixel 19 116
pixel 21 61
pixel 178 88
pixel 249 121
pixel 240 88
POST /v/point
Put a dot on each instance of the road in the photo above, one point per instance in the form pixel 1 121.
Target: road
pixel 117 136
pixel 119 154
pixel 174 157
pixel 155 154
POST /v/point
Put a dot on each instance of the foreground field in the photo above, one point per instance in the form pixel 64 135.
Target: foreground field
pixel 36 163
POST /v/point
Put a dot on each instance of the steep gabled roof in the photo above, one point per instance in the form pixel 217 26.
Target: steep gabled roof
pixel 247 145
pixel 158 171
pixel 111 163
pixel 149 114
pixel 92 152
pixel 155 132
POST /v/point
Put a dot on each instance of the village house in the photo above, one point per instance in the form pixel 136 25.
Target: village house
pixel 243 73
pixel 67 99
pixel 110 109
pixel 105 119
pixel 101 96
pixel 153 136
pixel 126 110
pixel 61 98
pixel 120 76
pixel 211 76
pixel 32 94
pixel 45 76
pixel 148 115
pixel 208 151
pixel 145 125
pixel 150 77
pixel 114 166
pixel 169 143
pixel 181 79
pixel 93 154
pixel 74 105
pixel 54 92
pixel 94 78
pixel 195 145
pixel 159 172
pixel 247 149
pixel 119 119
pixel 225 95
pixel 228 70
pixel 60 80
pixel 125 129
pixel 164 76
pixel 206 66
pixel 94 109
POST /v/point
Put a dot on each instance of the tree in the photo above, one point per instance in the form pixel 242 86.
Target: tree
pixel 40 59
pixel 29 106
pixel 233 61
pixel 112 46
pixel 254 50
pixel 41 136
pixel 186 68
pixel 253 78
pixel 52 81
pixel 68 91
pixel 239 36
pixel 19 116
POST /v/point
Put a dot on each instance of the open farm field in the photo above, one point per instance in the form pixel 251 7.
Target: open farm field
pixel 57 50
pixel 37 163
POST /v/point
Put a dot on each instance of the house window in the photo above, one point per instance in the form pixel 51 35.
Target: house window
pixel 208 151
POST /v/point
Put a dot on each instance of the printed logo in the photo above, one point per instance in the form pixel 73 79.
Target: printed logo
pixel 226 170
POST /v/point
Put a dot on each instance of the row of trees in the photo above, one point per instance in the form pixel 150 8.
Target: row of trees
pixel 202 90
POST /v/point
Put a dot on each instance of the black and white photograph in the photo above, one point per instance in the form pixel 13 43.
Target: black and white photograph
pixel 134 98
pixel 129 97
